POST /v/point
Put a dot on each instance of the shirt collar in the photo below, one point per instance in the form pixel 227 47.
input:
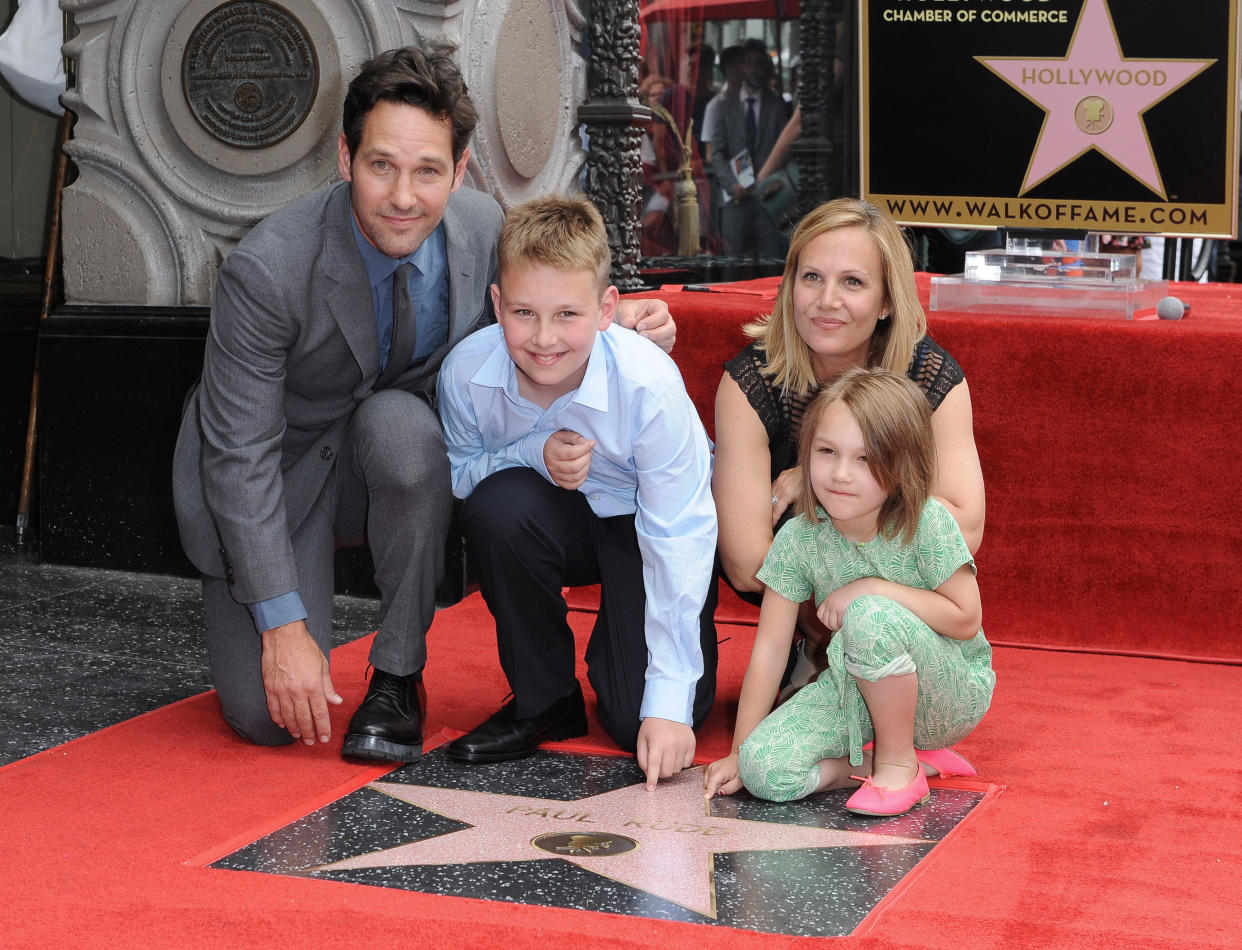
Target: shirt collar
pixel 499 372
pixel 380 266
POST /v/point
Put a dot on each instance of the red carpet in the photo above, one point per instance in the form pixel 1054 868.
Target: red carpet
pixel 1119 824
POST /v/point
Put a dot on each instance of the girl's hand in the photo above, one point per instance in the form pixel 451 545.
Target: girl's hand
pixel 785 490
pixel 720 778
pixel 832 611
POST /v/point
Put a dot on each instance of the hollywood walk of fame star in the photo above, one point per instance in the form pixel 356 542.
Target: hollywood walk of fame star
pixel 661 842
pixel 1094 97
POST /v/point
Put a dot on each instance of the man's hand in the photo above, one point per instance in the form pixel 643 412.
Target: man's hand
pixel 649 317
pixel 297 683
pixel 567 456
pixel 664 748
pixel 721 777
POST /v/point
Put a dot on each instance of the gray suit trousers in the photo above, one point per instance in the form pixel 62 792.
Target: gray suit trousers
pixel 390 488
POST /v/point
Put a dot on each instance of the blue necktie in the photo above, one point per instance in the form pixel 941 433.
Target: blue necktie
pixel 404 328
pixel 752 127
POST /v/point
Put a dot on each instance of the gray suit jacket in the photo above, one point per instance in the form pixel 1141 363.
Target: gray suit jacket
pixel 729 133
pixel 291 352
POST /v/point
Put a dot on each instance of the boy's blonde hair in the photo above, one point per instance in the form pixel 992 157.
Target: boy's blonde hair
pixel 560 232
pixel 895 420
pixel 787 358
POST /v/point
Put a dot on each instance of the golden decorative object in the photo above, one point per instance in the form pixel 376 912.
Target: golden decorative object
pixel 686 205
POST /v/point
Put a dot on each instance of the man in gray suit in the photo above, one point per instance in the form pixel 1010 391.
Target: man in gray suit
pixel 749 122
pixel 312 426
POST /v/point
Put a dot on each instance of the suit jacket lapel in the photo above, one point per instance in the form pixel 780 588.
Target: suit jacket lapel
pixel 350 298
pixel 463 270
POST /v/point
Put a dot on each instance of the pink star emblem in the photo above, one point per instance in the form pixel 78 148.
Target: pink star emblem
pixel 1094 97
pixel 661 842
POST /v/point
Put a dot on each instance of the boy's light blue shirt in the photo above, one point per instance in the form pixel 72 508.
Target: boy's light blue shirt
pixel 652 460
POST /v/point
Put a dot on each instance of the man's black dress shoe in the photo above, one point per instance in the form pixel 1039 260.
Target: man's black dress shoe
pixel 504 736
pixel 388 726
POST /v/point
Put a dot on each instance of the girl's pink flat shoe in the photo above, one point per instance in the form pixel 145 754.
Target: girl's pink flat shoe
pixel 873 800
pixel 946 762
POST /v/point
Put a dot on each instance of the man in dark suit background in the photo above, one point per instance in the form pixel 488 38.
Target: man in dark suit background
pixel 313 425
pixel 750 122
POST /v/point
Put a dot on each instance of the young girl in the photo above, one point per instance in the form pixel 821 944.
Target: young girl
pixel 891 574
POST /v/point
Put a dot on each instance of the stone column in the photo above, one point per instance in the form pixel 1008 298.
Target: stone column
pixel 813 149
pixel 614 121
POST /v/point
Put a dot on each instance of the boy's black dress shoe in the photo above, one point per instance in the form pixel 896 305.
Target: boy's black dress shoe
pixel 504 736
pixel 388 726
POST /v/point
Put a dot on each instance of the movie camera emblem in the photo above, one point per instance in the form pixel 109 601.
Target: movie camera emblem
pixel 584 844
pixel 1093 115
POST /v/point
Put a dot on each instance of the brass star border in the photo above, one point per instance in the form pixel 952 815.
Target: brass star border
pixel 582 831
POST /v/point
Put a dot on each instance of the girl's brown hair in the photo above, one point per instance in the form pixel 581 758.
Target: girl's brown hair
pixel 895 420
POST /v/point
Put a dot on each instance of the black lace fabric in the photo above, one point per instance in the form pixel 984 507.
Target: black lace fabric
pixel 931 368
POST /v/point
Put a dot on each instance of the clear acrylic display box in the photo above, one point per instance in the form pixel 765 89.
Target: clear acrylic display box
pixel 1031 280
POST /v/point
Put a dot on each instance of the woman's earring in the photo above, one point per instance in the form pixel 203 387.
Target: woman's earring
pixel 884 315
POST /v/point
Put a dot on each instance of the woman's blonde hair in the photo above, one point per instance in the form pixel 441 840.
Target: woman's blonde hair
pixel 895 420
pixel 787 357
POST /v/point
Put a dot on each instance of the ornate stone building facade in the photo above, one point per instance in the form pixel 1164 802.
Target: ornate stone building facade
pixel 197 118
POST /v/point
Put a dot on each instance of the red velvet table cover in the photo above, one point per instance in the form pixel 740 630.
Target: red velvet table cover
pixel 1112 455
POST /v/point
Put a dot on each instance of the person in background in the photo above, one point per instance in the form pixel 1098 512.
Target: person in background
pixel 743 136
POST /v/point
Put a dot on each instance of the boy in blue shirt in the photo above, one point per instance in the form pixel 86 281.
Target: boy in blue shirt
pixel 582 460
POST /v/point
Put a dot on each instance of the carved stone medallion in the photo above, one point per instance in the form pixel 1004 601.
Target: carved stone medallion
pixel 249 73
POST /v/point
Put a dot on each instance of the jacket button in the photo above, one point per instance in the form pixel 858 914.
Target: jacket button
pixel 326 453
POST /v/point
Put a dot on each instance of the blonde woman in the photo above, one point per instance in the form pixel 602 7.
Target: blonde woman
pixel 847 298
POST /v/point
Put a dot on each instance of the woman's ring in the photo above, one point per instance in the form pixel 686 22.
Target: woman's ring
pixel 776 499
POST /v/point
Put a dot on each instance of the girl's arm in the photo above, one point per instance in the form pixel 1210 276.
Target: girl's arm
pixel 959 477
pixel 952 609
pixel 742 486
pixel 768 657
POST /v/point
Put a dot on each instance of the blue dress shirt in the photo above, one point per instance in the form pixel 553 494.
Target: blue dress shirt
pixel 428 291
pixel 652 460
pixel 429 295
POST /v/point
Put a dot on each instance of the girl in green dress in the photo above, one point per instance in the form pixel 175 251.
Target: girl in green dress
pixel 909 671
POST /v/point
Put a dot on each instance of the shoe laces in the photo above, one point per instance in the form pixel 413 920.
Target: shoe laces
pixel 879 789
pixel 865 780
pixel 387 683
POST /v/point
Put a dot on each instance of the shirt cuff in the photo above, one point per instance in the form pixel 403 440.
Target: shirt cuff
pixel 531 450
pixel 275 611
pixel 665 698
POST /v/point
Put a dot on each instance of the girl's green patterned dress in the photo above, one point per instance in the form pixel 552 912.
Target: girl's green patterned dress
pixel 878 637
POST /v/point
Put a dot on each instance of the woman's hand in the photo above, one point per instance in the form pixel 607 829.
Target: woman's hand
pixel 720 778
pixel 785 491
